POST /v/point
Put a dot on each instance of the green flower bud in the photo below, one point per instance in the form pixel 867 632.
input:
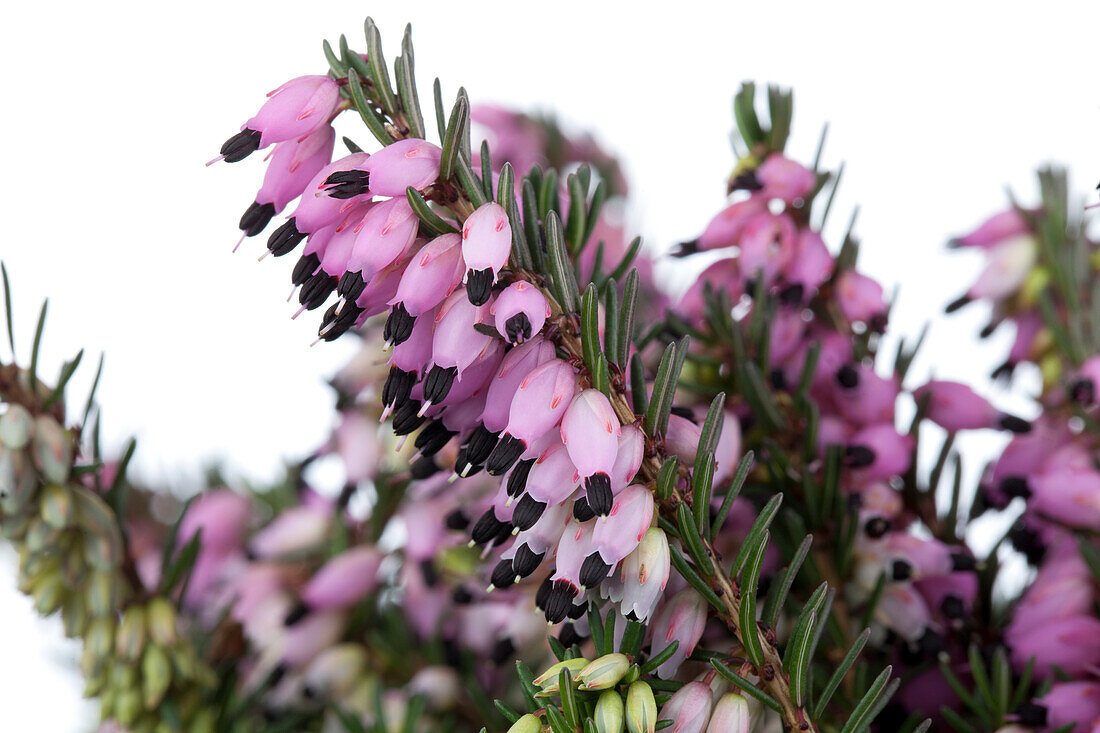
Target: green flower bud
pixel 17 482
pixel 101 593
pixel 605 672
pixel 16 426
pixel 641 708
pixel 128 706
pixel 123 675
pixel 52 448
pixel 40 536
pixel 161 617
pixel 527 724
pixel 130 639
pixel 99 641
pixel 609 712
pixel 56 506
pixel 74 616
pixel 48 593
pixel 156 675
pixel 550 676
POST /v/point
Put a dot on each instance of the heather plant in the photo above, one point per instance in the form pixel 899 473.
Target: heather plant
pixel 573 498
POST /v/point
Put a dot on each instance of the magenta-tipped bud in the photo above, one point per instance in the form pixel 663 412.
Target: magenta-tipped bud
pixel 433 274
pixel 520 311
pixel 590 430
pixel 1074 703
pixel 682 619
pixel 537 407
pixel 689 708
pixel 622 530
pixel 410 162
pixel 486 244
pixel 294 110
pixel 343 580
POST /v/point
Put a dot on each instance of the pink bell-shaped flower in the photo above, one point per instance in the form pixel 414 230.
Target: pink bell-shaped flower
pixel 645 574
pixel 383 236
pixel 343 580
pixel 520 311
pixel 860 299
pixel 486 245
pixel 315 209
pixel 681 619
pixel 994 230
pixel 294 110
pixel 291 167
pixel 410 162
pixel 433 274
pixel 785 179
pixel 590 430
pixel 619 533
pixel 536 408
pixel 689 708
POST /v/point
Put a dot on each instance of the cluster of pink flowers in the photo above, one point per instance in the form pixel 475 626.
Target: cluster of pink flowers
pixel 1052 470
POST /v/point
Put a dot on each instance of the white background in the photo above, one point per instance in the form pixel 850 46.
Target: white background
pixel 110 109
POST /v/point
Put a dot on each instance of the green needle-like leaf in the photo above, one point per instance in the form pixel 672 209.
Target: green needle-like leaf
pixel 452 147
pixel 590 327
pixel 380 76
pixel 747 687
pixel 367 112
pixel 763 520
pixel 430 219
pixel 561 269
pixel 626 318
pixel 750 580
pixel 779 589
pixel 862 714
pixel 36 347
pixel 739 477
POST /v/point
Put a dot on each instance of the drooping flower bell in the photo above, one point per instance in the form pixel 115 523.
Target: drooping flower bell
pixel 292 166
pixel 645 573
pixel 433 274
pixel 537 407
pixel 385 234
pixel 456 344
pixel 520 311
pixel 294 110
pixel 316 210
pixel 486 244
pixel 689 708
pixel 955 406
pixel 681 619
pixel 590 431
pixel 785 179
